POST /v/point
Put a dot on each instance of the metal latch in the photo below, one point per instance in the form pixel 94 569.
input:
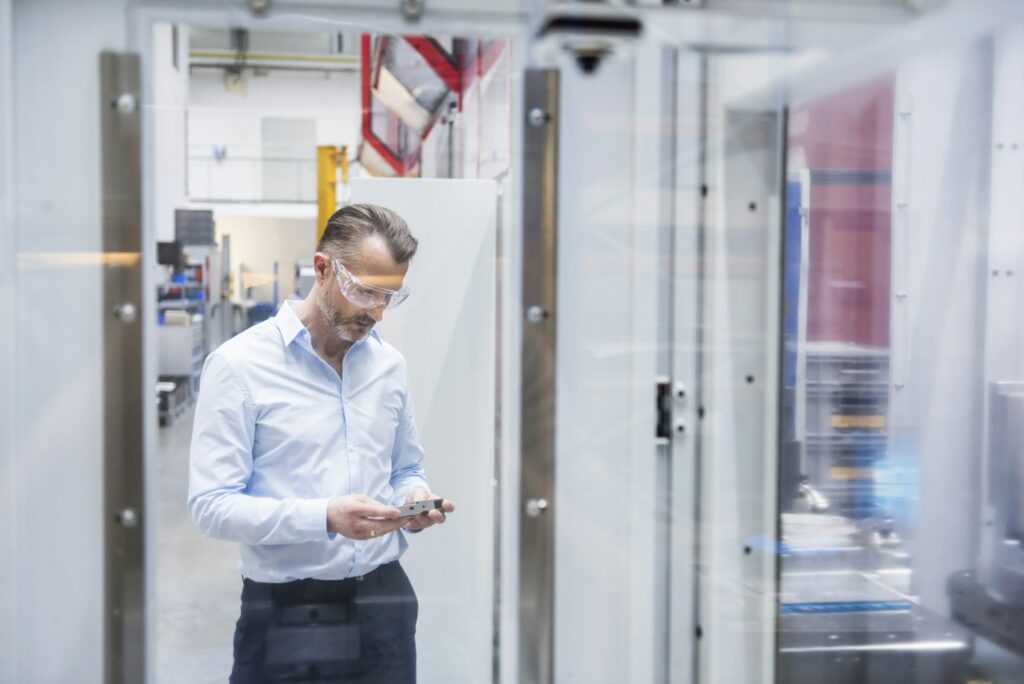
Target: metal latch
pixel 666 395
pixel 663 407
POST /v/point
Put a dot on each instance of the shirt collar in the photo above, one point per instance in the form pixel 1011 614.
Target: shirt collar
pixel 288 323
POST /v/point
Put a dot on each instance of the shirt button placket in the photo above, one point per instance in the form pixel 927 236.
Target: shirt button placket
pixel 355 476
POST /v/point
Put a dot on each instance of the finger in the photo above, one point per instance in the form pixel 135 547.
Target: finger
pixel 448 506
pixel 382 527
pixel 420 522
pixel 375 509
pixel 436 517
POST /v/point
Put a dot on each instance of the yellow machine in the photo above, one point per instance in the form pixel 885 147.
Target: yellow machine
pixel 329 159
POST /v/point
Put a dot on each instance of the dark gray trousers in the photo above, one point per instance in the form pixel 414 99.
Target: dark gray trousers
pixel 356 631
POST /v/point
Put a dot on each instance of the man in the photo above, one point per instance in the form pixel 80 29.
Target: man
pixel 304 444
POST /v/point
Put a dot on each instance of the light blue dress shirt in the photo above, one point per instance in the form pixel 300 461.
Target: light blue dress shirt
pixel 277 433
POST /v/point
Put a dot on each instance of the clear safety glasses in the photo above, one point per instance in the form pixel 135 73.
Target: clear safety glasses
pixel 364 295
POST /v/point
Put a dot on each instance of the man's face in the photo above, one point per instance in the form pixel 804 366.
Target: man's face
pixel 376 267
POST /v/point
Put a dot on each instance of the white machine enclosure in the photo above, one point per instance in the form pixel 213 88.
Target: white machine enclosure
pixel 446 331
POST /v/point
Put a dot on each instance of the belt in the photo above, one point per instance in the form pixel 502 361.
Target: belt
pixel 307 591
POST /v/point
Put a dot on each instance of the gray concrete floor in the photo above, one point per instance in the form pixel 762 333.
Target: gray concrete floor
pixel 198 585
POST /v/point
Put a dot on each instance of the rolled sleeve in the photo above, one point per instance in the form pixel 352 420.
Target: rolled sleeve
pixel 221 464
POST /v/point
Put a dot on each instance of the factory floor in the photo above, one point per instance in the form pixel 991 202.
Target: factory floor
pixel 198 583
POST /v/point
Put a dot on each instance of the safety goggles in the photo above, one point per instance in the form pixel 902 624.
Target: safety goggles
pixel 364 295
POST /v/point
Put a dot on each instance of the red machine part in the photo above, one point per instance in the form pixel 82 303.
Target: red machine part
pixel 393 144
pixel 387 153
pixel 846 140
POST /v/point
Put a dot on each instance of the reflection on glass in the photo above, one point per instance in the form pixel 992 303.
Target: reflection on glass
pixel 858 600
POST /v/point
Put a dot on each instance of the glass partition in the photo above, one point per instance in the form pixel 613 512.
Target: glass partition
pixel 710 329
pixel 260 426
pixel 897 479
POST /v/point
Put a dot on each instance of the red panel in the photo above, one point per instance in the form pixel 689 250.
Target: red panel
pixel 848 279
pixel 848 130
pixel 400 167
pixel 438 60
pixel 481 59
pixel 850 214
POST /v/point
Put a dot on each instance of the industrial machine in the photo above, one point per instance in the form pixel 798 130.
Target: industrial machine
pixel 989 599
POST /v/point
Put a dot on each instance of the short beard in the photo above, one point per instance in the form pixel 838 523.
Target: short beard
pixel 339 323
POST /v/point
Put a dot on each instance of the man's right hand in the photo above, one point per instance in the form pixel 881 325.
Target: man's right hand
pixel 357 516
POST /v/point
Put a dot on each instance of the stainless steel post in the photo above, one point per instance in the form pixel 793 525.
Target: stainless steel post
pixel 537 523
pixel 123 391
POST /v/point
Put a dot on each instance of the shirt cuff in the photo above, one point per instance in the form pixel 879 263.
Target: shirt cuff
pixel 311 518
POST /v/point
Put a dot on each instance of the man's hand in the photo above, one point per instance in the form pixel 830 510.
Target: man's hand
pixel 425 520
pixel 357 516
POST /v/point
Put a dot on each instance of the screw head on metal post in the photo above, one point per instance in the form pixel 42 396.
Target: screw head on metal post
pixel 537 117
pixel 259 7
pixel 536 314
pixel 126 103
pixel 126 313
pixel 535 507
pixel 128 517
pixel 412 10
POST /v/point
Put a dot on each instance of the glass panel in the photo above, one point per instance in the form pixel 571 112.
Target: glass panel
pixel 899 462
pixel 268 442
pixel 788 386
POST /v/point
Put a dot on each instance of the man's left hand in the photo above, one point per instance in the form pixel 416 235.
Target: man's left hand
pixel 425 520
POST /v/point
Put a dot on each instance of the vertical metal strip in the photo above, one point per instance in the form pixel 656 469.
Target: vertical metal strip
pixel 537 523
pixel 499 465
pixel 667 228
pixel 780 388
pixel 123 395
pixel 701 320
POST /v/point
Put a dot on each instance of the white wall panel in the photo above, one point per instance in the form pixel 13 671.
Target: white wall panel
pixel 739 379
pixel 257 242
pixel 166 116
pixel 446 330
pixel 235 121
pixel 593 432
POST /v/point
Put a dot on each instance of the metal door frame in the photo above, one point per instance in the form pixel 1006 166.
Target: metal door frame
pixel 141 18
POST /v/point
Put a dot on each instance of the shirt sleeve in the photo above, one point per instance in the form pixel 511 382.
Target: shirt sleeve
pixel 406 458
pixel 220 466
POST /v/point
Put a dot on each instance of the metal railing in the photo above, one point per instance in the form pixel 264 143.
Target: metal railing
pixel 251 179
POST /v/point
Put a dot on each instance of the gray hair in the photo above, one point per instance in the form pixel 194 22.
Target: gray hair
pixel 349 226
